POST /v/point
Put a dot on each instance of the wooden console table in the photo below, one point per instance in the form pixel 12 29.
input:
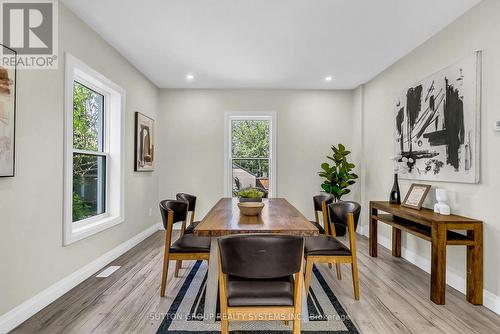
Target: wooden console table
pixel 439 230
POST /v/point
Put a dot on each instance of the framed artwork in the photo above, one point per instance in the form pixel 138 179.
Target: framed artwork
pixel 416 196
pixel 7 115
pixel 144 143
pixel 437 127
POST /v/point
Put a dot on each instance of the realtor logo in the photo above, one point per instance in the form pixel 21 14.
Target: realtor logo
pixel 30 28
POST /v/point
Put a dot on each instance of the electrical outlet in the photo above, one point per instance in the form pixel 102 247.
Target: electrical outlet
pixel 150 212
pixel 497 125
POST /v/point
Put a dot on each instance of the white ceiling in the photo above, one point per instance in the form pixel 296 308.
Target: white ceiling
pixel 266 43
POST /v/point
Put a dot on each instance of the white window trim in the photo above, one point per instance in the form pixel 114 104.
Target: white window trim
pixel 115 130
pixel 264 115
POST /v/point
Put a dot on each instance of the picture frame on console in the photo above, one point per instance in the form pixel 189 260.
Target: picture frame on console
pixel 416 196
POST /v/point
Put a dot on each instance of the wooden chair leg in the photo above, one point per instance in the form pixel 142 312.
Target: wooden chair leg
pixel 355 280
pixel 178 265
pixel 339 271
pixel 224 325
pixel 164 275
pixel 296 325
pixel 307 280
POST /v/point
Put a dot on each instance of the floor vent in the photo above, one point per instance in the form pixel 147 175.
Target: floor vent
pixel 108 271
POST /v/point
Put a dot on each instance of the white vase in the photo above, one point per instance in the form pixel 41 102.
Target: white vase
pixel 441 206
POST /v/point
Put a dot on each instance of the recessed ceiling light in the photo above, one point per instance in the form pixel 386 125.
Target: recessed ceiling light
pixel 190 77
pixel 328 78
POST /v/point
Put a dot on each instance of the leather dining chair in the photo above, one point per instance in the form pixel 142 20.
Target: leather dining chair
pixel 320 203
pixel 327 249
pixel 191 200
pixel 256 278
pixel 265 193
pixel 187 246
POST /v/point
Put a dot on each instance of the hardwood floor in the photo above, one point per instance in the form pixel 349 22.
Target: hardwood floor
pixel 394 298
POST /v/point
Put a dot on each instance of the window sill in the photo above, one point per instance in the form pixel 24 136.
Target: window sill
pixel 81 232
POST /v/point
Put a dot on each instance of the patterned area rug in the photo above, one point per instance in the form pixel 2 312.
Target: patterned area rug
pixel 185 316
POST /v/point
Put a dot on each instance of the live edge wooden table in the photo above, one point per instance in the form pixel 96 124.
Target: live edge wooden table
pixel 440 231
pixel 278 216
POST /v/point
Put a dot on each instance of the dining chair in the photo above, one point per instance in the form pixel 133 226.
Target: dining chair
pixel 191 200
pixel 187 246
pixel 320 203
pixel 265 193
pixel 328 249
pixel 256 278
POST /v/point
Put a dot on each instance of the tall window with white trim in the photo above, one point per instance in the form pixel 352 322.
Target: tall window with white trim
pixel 250 151
pixel 93 152
pixel 89 153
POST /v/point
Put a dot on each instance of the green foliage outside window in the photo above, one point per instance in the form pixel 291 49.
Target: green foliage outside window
pixel 250 139
pixel 87 121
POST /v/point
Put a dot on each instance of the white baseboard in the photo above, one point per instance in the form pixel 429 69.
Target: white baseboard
pixel 24 311
pixel 490 300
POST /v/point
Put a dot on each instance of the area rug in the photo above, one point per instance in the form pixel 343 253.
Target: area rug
pixel 185 316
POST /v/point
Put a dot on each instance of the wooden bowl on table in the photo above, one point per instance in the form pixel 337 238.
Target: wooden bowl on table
pixel 250 208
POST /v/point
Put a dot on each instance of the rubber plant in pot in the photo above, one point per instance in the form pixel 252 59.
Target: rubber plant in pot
pixel 338 177
pixel 250 195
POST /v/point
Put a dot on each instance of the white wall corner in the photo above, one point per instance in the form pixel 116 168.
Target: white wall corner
pixel 490 300
pixel 24 311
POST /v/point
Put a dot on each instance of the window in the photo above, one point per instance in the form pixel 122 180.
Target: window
pixel 89 153
pixel 93 152
pixel 250 151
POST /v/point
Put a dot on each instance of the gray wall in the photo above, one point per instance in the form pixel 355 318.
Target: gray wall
pixel 192 121
pixel 478 29
pixel 31 204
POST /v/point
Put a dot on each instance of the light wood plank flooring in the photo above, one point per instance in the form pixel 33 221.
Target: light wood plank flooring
pixel 394 298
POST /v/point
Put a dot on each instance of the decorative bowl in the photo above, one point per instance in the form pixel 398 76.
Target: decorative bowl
pixel 251 208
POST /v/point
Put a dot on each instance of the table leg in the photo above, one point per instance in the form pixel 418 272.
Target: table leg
pixel 212 283
pixel 438 263
pixel 373 232
pixel 475 267
pixel 396 242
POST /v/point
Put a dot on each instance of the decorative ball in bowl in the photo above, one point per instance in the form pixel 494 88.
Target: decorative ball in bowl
pixel 250 195
pixel 251 208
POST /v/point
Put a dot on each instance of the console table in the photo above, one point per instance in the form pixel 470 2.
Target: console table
pixel 440 231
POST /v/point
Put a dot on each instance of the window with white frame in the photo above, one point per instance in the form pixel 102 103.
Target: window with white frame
pixel 93 152
pixel 250 151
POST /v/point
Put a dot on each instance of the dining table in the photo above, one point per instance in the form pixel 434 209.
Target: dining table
pixel 278 217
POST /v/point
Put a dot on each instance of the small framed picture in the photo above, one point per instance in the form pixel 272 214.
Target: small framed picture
pixel 144 143
pixel 416 196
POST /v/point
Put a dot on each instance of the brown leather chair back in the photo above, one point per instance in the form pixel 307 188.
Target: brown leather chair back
pixel 191 199
pixel 264 192
pixel 319 199
pixel 338 212
pixel 178 209
pixel 261 256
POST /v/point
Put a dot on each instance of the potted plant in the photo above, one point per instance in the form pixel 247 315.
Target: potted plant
pixel 338 176
pixel 250 195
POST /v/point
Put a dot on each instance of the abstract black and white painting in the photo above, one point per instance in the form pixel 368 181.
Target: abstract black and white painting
pixel 437 125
